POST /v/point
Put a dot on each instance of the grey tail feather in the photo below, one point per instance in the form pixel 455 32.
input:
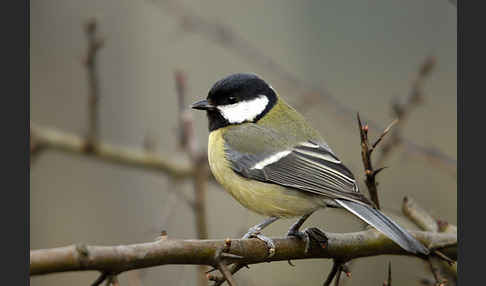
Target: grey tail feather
pixel 378 220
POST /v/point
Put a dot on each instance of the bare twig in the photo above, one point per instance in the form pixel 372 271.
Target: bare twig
pixel 388 282
pixel 435 271
pixel 100 279
pixel 338 278
pixel 366 151
pixel 71 143
pixel 226 273
pixel 188 141
pixel 335 270
pixel 224 36
pixel 112 280
pixel 233 269
pixel 403 110
pixel 95 43
pixel 418 215
pixel 117 259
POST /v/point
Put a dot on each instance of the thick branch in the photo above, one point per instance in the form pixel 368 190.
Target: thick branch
pixel 47 138
pixel 116 259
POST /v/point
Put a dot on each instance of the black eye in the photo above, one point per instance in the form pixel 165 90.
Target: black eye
pixel 232 100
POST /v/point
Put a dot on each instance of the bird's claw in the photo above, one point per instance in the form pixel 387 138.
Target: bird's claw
pixel 310 234
pixel 270 244
pixel 255 233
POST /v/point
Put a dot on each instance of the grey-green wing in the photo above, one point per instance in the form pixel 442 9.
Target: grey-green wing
pixel 263 154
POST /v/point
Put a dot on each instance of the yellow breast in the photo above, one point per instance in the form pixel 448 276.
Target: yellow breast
pixel 262 198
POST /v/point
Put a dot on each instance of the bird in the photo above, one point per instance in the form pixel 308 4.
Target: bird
pixel 266 155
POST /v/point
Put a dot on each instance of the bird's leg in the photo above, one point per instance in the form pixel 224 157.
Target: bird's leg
pixel 294 229
pixel 308 233
pixel 255 232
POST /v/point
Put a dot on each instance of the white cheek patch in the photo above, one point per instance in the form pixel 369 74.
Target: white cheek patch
pixel 244 110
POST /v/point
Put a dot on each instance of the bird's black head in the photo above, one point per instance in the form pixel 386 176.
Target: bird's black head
pixel 236 99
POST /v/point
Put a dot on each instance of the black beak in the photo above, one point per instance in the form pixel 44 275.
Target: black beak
pixel 203 105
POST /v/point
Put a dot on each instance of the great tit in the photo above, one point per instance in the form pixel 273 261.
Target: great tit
pixel 268 157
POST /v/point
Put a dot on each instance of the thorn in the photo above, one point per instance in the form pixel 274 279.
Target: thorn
pixel 359 121
pixel 290 263
pixel 378 170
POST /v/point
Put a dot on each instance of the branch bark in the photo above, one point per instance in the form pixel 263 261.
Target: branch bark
pixel 48 138
pixel 117 259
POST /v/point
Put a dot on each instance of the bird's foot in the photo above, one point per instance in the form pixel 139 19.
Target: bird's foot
pixel 254 232
pixel 310 234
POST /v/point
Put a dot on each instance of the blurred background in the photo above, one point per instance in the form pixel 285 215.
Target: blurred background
pixel 364 54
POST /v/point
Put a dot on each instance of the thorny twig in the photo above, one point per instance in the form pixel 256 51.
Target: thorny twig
pixel 414 100
pixel 223 35
pixel 366 151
